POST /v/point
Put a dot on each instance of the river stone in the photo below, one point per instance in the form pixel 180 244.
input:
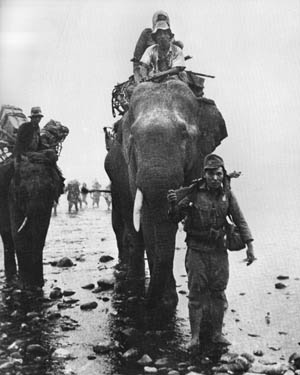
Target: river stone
pixel 182 366
pixel 16 345
pixel 105 258
pixel 68 292
pixel 161 362
pixel 89 305
pixel 150 370
pixel 282 277
pixel 103 347
pixel 31 315
pixel 173 372
pixel 295 360
pixel 61 353
pixel 280 286
pixel 88 286
pixel 106 283
pixel 258 353
pixel 6 366
pixel 130 354
pixel 36 350
pixel 198 373
pixel 65 262
pixel 145 360
pixel 55 293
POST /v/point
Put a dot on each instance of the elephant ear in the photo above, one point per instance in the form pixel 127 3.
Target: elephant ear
pixel 211 125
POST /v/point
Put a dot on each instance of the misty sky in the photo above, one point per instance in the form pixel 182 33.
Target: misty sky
pixel 66 56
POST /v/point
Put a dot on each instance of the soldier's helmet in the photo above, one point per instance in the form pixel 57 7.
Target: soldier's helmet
pixel 213 161
pixel 161 25
pixel 160 15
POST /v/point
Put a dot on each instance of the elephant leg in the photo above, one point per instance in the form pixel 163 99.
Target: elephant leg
pixel 162 287
pixel 9 255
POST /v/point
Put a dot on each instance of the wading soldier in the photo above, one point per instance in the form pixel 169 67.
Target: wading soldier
pixel 204 209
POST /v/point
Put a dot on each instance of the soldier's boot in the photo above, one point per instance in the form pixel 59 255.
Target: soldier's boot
pixel 217 316
pixel 195 316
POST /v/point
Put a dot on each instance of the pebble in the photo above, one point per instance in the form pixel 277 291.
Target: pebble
pixel 103 347
pixel 55 293
pixel 258 353
pixel 161 362
pixel 130 354
pixel 89 305
pixel 106 283
pixel 68 292
pixel 105 258
pixel 65 262
pixel 61 353
pixel 145 360
pixel 36 350
pixel 173 372
pixel 150 370
pixel 282 277
pixel 280 286
pixel 88 286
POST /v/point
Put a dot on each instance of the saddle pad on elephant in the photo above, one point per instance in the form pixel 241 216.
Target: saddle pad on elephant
pixel 11 118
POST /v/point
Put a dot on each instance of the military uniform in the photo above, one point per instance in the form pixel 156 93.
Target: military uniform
pixel 204 212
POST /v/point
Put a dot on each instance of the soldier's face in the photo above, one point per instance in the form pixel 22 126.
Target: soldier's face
pixel 214 177
pixel 163 38
pixel 36 120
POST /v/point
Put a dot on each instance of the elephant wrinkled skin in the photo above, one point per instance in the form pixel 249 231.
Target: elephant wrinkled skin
pixel 26 202
pixel 161 145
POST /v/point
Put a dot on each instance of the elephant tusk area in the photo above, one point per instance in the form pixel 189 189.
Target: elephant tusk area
pixel 138 202
pixel 23 224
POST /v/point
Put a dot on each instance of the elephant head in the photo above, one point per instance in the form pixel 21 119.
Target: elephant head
pixel 166 135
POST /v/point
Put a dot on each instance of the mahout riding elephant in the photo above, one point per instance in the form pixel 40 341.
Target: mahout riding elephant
pixel 161 144
pixel 28 191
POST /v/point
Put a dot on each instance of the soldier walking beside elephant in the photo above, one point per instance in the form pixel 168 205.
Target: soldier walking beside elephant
pixel 204 209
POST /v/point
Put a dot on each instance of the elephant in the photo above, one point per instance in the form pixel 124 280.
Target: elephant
pixel 160 145
pixel 28 191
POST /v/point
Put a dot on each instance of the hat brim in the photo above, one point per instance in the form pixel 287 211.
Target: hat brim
pixel 36 116
pixel 154 34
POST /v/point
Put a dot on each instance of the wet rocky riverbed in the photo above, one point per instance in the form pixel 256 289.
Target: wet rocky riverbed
pixel 87 321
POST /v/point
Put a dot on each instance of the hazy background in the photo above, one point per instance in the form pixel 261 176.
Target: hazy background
pixel 66 56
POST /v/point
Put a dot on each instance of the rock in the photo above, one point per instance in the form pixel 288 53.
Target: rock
pixel 16 345
pixel 277 369
pixel 258 353
pixel 161 362
pixel 228 357
pixel 16 355
pixel 145 360
pixel 97 290
pixel 91 357
pixel 249 357
pixel 282 277
pixel 65 262
pixel 32 314
pixel 295 360
pixel 103 347
pixel 61 353
pixel 106 283
pixel 173 372
pixel 130 354
pixel 194 373
pixel 280 286
pixel 150 370
pixel 297 372
pixel 6 366
pixel 131 335
pixel 68 292
pixel 55 293
pixel 105 258
pixel 182 366
pixel 89 305
pixel 88 286
pixel 36 350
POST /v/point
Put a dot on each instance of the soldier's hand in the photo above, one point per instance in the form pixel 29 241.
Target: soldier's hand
pixel 250 254
pixel 171 196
